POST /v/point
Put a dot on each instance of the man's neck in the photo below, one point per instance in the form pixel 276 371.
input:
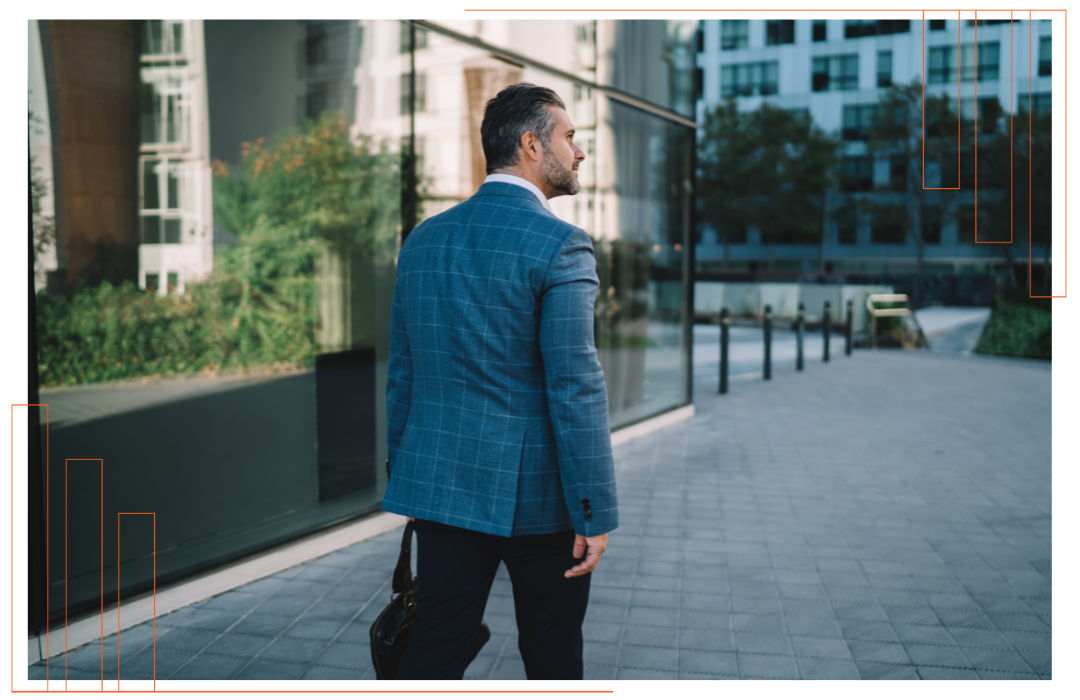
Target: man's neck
pixel 535 181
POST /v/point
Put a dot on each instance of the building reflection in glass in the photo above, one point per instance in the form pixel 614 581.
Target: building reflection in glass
pixel 220 206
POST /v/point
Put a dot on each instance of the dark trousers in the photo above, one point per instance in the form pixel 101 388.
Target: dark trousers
pixel 455 569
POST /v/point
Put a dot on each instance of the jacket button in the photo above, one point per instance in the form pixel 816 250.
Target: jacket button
pixel 588 516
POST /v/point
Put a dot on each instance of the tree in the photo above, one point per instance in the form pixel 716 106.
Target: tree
pixel 768 168
pixel 1029 145
pixel 726 194
pixel 897 135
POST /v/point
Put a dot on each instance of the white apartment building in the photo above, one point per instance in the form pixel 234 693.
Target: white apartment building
pixel 175 186
pixel 836 70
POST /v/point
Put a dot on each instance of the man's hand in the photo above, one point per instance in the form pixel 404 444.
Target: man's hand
pixel 411 520
pixel 596 546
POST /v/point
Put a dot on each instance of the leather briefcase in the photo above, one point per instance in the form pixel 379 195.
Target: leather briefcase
pixel 392 630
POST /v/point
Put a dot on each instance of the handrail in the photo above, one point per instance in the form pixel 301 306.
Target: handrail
pixel 875 313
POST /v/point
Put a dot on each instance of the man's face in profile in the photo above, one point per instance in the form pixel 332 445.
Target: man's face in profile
pixel 562 157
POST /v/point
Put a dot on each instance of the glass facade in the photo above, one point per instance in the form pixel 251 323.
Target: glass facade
pixel 213 310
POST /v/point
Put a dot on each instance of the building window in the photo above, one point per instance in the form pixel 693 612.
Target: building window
pixel 846 226
pixel 163 107
pixel 316 44
pixel 1045 56
pixel 819 33
pixel 404 38
pixel 887 227
pixel 699 39
pixel 931 224
pixel 151 281
pixel 857 121
pixel 981 22
pixel 835 73
pixel 734 34
pixel 987 110
pixel 857 174
pixel 163 37
pixel 989 60
pixel 421 93
pixel 965 224
pixel 172 283
pixel 898 171
pixel 884 68
pixel 779 31
pixel 699 83
pixel 160 214
pixel 855 28
pixel 937 25
pixel 1040 103
pixel 967 168
pixel 975 62
pixel 745 79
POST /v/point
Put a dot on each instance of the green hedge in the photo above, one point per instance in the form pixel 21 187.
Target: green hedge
pixel 1017 328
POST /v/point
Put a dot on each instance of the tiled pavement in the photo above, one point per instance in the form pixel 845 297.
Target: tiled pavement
pixel 883 516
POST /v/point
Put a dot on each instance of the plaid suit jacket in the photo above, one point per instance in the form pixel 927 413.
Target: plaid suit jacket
pixel 497 414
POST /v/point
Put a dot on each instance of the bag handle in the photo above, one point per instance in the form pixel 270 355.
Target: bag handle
pixel 403 571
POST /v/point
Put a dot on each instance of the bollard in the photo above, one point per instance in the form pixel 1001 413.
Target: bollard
pixel 849 326
pixel 826 329
pixel 724 323
pixel 798 337
pixel 768 341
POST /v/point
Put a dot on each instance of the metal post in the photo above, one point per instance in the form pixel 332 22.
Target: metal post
pixel 725 322
pixel 798 337
pixel 768 341
pixel 849 326
pixel 826 329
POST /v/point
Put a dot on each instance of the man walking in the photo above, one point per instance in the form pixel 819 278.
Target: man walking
pixel 497 417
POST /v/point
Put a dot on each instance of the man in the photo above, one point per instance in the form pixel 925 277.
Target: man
pixel 497 418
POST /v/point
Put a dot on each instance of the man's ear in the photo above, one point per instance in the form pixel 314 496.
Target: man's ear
pixel 531 146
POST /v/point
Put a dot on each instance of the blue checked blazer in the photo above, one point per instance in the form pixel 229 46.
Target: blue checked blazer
pixel 497 414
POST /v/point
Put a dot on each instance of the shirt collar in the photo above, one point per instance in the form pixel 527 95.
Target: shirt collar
pixel 520 182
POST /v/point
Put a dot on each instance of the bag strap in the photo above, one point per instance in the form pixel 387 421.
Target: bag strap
pixel 403 571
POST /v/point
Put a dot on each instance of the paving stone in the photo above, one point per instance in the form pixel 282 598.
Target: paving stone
pixel 707 662
pixel 206 666
pixel 882 558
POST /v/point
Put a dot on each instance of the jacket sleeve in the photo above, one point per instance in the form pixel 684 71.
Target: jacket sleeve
pixel 399 377
pixel 577 396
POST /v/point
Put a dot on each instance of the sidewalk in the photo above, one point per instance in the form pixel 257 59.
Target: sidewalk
pixel 885 515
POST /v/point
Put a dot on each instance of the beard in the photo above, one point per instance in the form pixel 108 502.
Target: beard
pixel 559 177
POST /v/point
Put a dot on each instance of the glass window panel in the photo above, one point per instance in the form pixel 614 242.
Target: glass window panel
pixel 884 68
pixel 172 133
pixel 151 229
pixel 150 113
pixel 173 175
pixel 968 62
pixel 151 198
pixel 641 263
pixel 178 37
pixel 172 230
pixel 989 59
pixel 734 34
pixel 819 30
pixel 931 224
pixel 1045 56
pixel 313 348
pixel 152 35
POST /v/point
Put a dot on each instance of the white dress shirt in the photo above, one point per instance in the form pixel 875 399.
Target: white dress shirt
pixel 520 182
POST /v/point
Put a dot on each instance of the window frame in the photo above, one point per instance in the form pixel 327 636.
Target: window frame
pixel 779 32
pixel 163 212
pixel 835 78
pixel 734 34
